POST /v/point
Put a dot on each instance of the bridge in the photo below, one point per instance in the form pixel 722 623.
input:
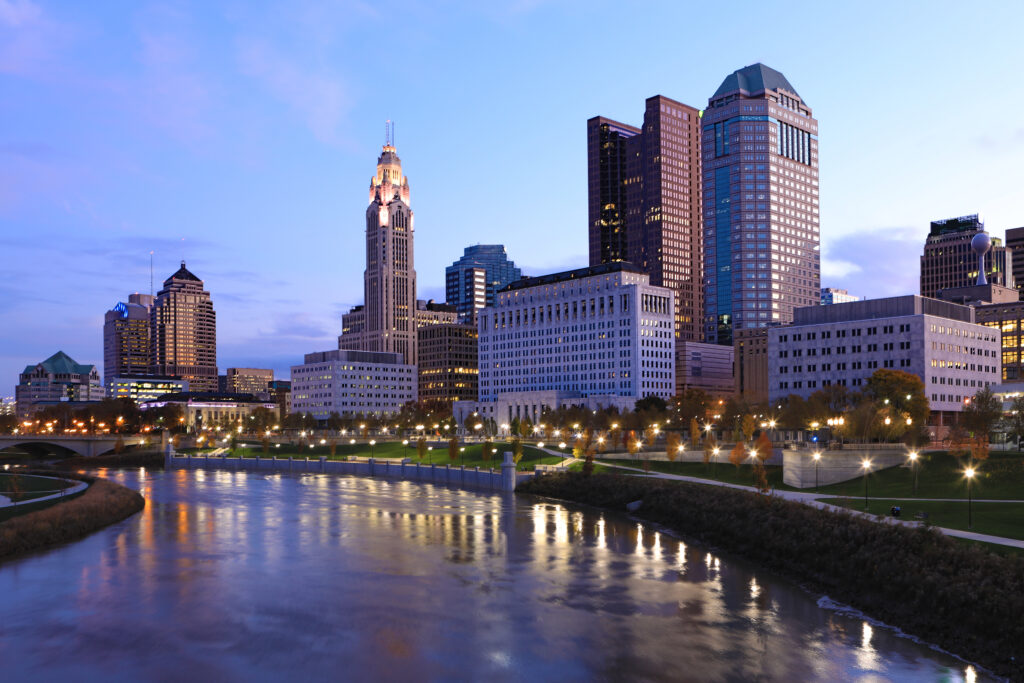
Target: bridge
pixel 87 446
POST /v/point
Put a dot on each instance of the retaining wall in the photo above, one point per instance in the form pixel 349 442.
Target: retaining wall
pixel 798 467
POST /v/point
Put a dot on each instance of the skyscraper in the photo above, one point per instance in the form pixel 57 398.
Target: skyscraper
pixel 760 171
pixel 644 201
pixel 473 280
pixel 183 326
pixel 126 338
pixel 948 260
pixel 1015 241
pixel 388 319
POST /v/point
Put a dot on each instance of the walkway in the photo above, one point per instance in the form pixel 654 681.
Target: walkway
pixel 813 499
pixel 60 493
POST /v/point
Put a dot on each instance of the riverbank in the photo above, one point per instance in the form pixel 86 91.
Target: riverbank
pixel 961 598
pixel 100 505
pixel 129 459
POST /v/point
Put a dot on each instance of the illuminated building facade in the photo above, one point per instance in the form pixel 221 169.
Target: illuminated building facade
pixel 126 337
pixel 184 332
pixel 447 363
pixel 352 383
pixel 58 380
pixel 472 282
pixel 254 381
pixel 143 388
pixel 948 261
pixel 760 185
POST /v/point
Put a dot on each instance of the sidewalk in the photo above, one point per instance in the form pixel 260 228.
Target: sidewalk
pixel 813 499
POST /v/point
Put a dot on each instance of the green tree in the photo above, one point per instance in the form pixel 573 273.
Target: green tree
pixel 421 448
pixel 652 403
pixel 1015 420
pixel 692 404
pixel 453 448
pixel 982 412
pixel 903 391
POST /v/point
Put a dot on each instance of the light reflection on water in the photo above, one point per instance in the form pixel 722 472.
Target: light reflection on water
pixel 243 576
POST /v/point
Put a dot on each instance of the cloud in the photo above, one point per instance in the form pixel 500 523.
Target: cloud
pixel 319 97
pixel 855 262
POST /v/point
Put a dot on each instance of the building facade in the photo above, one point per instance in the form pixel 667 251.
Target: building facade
pixel 1015 242
pixel 598 336
pixel 127 348
pixel 708 367
pixel 1008 320
pixel 352 383
pixel 58 380
pixel 254 381
pixel 209 409
pixel 447 363
pixel 183 328
pixel 281 394
pixel 750 351
pixel 949 262
pixel 432 313
pixel 843 344
pixel 387 321
pixel 833 295
pixel 472 282
pixel 644 202
pixel 761 221
pixel 143 388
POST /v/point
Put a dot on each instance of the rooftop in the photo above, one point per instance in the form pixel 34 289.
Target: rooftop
pixel 182 273
pixel 579 273
pixel 754 79
pixel 61 363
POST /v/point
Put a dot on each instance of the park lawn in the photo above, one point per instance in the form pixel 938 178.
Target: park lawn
pixel 471 457
pixel 28 486
pixel 996 519
pixel 18 510
pixel 722 471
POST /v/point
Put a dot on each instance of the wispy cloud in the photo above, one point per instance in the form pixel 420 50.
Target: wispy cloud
pixel 852 262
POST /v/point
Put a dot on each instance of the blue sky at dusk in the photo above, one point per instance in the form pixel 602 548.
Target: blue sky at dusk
pixel 242 136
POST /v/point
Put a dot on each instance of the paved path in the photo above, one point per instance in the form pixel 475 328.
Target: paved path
pixel 813 499
pixel 78 486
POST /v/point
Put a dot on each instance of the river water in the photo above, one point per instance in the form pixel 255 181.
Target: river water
pixel 234 576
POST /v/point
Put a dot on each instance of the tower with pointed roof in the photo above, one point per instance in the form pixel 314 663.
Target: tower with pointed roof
pixel 183 331
pixel 759 151
pixel 387 321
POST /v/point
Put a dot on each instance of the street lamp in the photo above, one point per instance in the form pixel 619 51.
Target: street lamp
pixel 405 442
pixel 714 463
pixel 866 464
pixel 913 465
pixel 969 473
pixel 373 443
pixel 817 460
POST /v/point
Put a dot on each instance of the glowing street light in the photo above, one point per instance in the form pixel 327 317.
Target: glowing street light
pixel 540 444
pixel 373 443
pixel 913 465
pixel 866 464
pixel 817 459
pixel 969 473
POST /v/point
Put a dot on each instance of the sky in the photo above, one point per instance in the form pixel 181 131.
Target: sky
pixel 241 136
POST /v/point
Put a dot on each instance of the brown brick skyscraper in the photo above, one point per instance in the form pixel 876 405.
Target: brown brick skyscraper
pixel 184 332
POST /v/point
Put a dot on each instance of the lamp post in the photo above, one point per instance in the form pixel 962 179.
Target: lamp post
pixel 817 460
pixel 866 464
pixel 913 466
pixel 969 473
pixel 405 442
pixel 714 462
pixel 373 443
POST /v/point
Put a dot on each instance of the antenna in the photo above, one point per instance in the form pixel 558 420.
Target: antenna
pixel 387 132
pixel 393 134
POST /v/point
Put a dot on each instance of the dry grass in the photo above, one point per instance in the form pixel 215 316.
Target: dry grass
pixel 102 504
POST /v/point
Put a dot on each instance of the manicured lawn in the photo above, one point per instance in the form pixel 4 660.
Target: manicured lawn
pixel 723 471
pixel 997 519
pixel 28 486
pixel 471 457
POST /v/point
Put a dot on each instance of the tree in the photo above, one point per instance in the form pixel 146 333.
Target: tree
pixel 692 404
pixel 485 451
pixel 525 427
pixel 1015 421
pixel 747 426
pixel 652 403
pixel 982 412
pixel 709 448
pixel 633 446
pixel 517 450
pixel 453 448
pixel 421 448
pixel 901 390
pixel 672 446
pixel 738 454
pixel 513 426
pixel 694 433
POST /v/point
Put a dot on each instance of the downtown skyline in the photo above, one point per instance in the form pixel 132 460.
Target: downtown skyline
pixel 256 153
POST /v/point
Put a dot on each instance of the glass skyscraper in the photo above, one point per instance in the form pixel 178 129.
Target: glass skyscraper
pixel 472 281
pixel 760 183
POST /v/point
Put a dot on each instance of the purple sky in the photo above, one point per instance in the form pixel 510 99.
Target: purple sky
pixel 242 136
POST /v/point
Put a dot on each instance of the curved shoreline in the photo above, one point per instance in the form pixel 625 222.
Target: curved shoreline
pixel 101 504
pixel 913 580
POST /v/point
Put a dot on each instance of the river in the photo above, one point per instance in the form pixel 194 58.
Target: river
pixel 235 576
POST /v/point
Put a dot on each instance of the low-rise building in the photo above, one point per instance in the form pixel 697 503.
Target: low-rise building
pixel 254 381
pixel 352 383
pixel 211 408
pixel 144 388
pixel 55 381
pixel 708 367
pixel 844 344
pixel 750 351
pixel 596 337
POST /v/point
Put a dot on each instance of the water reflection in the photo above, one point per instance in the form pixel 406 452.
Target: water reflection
pixel 249 576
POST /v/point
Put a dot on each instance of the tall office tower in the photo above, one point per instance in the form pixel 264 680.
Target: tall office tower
pixel 126 343
pixel 183 328
pixel 644 201
pixel 473 280
pixel 387 323
pixel 1015 241
pixel 761 241
pixel 948 260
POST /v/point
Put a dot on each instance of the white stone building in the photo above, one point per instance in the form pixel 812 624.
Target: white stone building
pixel 845 343
pixel 352 383
pixel 599 336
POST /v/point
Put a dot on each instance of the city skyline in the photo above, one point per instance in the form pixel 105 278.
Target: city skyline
pixel 174 138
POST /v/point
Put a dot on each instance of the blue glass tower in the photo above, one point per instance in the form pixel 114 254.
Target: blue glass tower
pixel 472 281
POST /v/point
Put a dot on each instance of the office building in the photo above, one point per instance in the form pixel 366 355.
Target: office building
pixel 472 282
pixel 832 295
pixel 644 201
pixel 143 388
pixel 750 351
pixel 386 323
pixel 597 337
pixel 281 394
pixel 949 261
pixel 126 337
pixel 58 380
pixel 183 328
pixel 760 185
pixel 352 383
pixel 708 367
pixel 447 363
pixel 845 344
pixel 254 381
pixel 1015 242
pixel 210 409
pixel 433 313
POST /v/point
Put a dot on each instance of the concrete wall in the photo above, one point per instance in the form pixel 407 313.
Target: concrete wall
pixel 468 477
pixel 798 467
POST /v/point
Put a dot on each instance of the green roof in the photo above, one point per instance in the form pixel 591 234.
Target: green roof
pixel 61 363
pixel 753 79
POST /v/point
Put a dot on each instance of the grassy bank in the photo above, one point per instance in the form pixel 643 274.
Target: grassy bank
pixel 153 459
pixel 960 597
pixel 100 505
pixel 996 519
pixel 19 487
